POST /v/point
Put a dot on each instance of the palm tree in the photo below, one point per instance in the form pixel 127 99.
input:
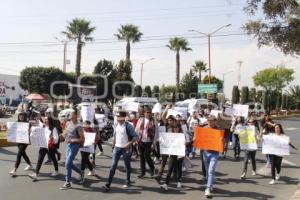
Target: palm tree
pixel 294 92
pixel 199 67
pixel 176 44
pixel 79 30
pixel 129 33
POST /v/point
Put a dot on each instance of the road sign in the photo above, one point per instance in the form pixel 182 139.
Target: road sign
pixel 207 88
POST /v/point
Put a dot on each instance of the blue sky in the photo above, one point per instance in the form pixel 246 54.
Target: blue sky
pixel 34 21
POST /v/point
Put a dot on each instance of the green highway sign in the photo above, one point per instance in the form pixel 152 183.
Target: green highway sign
pixel 207 88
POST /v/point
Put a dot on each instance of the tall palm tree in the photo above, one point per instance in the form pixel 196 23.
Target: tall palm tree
pixel 176 44
pixel 199 67
pixel 129 33
pixel 79 30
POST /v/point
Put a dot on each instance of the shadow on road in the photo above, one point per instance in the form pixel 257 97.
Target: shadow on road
pixel 240 194
pixel 7 152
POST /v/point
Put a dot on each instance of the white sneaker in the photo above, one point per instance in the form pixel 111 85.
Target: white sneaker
pixel 164 187
pixel 183 169
pixel 207 192
pixel 29 167
pixel 91 173
pixel 55 173
pixel 272 182
pixel 13 172
pixel 243 176
pixel 179 185
pixel 34 176
pixel 277 177
pixel 253 173
pixel 230 143
pixel 100 153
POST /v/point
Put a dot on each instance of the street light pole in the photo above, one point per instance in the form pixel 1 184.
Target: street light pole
pixel 209 48
pixel 223 74
pixel 142 68
pixel 65 42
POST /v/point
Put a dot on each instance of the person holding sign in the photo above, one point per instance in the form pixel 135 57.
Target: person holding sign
pixel 235 128
pixel 86 151
pixel 124 137
pixel 53 140
pixel 211 148
pixel 277 159
pixel 250 152
pixel 145 129
pixel 74 138
pixel 21 151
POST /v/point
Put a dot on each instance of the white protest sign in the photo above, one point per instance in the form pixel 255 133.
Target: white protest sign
pixel 247 138
pixel 89 140
pixel 156 108
pixel 173 113
pixel 229 111
pixel 215 113
pixel 182 110
pixel 172 144
pixel 241 110
pixel 276 145
pixel 238 128
pixel 131 106
pixel 18 132
pixel 161 129
pixel 87 113
pixel 100 119
pixel 39 137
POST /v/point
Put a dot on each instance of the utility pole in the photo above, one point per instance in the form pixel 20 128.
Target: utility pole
pixel 65 61
pixel 239 72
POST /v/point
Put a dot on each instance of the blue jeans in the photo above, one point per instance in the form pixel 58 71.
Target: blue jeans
pixel 71 152
pixel 210 161
pixel 117 152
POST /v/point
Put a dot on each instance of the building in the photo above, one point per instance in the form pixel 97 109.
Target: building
pixel 10 88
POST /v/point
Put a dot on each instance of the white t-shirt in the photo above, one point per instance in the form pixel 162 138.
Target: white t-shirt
pixel 121 136
pixel 193 123
pixel 145 132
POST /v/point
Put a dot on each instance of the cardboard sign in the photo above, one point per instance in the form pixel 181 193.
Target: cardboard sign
pixel 156 108
pixel 89 140
pixel 276 145
pixel 209 139
pixel 100 119
pixel 87 113
pixel 247 138
pixel 131 106
pixel 18 132
pixel 182 110
pixel 172 144
pixel 215 113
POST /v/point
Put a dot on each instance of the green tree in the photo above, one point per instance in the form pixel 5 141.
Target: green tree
pixel 176 44
pixel 129 33
pixel 189 84
pixel 294 92
pixel 245 95
pixel 167 93
pixel 123 73
pixel 252 94
pixel 284 102
pixel 273 78
pixel 280 26
pixel 148 91
pixel 138 91
pixel 107 69
pixel 199 67
pixel 38 79
pixel 80 31
pixel 155 91
pixel 265 101
pixel 235 99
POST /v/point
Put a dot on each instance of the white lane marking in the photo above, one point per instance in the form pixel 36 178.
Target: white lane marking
pixel 284 161
pixel 291 129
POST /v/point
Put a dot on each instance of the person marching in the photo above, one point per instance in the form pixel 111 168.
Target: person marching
pixel 238 124
pixel 53 140
pixel 85 161
pixel 210 158
pixel 124 137
pixel 250 153
pixel 74 138
pixel 175 163
pixel 21 151
pixel 145 129
pixel 276 159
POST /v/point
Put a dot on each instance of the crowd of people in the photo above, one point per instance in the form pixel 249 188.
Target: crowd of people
pixel 137 134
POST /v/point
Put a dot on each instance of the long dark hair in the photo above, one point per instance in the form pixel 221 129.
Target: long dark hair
pixel 242 120
pixel 51 123
pixel 281 129
pixel 24 115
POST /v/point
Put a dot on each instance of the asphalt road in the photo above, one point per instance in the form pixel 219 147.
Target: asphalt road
pixel 228 184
